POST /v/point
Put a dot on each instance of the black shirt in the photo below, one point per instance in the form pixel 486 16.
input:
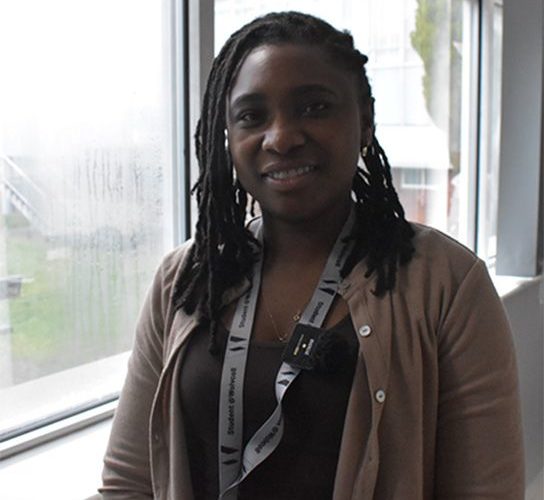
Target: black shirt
pixel 303 466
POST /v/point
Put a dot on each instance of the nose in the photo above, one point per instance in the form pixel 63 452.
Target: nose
pixel 283 135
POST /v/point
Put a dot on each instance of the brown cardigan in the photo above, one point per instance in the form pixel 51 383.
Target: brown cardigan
pixel 440 367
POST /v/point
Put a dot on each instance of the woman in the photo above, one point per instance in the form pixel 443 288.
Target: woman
pixel 329 349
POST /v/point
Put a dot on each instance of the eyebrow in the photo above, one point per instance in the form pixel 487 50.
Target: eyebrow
pixel 251 98
pixel 314 87
pixel 257 97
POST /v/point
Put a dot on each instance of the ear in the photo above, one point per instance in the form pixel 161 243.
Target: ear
pixel 367 133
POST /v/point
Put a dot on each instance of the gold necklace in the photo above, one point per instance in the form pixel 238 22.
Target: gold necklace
pixel 285 337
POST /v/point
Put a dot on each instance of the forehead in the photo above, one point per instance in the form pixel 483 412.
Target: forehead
pixel 277 68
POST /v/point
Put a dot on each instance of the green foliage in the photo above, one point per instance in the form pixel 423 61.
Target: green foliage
pixel 78 302
pixel 431 16
pixel 438 38
pixel 36 315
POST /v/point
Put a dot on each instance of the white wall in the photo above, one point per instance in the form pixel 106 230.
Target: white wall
pixel 525 308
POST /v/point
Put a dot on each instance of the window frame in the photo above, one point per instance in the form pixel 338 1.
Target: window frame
pixel 190 54
pixel 201 18
pixel 520 198
pixel 176 192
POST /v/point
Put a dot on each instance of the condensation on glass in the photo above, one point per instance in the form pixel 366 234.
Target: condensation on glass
pixel 82 182
pixel 416 70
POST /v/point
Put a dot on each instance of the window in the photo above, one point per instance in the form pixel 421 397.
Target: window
pixel 420 67
pixel 85 189
pixel 490 130
pixel 415 178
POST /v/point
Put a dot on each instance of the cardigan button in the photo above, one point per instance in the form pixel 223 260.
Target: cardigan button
pixel 365 331
pixel 380 396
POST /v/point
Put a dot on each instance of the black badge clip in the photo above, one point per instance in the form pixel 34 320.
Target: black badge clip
pixel 300 352
pixel 312 348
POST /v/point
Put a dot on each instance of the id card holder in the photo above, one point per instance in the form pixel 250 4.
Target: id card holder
pixel 300 352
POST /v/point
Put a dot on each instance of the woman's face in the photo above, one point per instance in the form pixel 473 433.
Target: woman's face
pixel 294 130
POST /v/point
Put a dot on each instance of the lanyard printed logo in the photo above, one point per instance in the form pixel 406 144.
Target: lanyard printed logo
pixel 235 463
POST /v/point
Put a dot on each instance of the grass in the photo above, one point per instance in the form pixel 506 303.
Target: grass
pixel 37 316
pixel 78 302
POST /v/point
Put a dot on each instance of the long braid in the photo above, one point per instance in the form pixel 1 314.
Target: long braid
pixel 382 234
pixel 224 250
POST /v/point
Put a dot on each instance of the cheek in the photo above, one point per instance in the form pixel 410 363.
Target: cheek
pixel 349 148
pixel 243 170
pixel 239 148
pixel 244 155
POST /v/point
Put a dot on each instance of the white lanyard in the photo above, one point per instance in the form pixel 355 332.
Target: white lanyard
pixel 235 464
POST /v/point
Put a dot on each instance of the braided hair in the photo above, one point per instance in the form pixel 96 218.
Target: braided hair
pixel 224 250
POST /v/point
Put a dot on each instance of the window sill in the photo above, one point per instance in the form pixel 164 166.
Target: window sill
pixel 510 285
pixel 41 409
pixel 67 468
pixel 63 458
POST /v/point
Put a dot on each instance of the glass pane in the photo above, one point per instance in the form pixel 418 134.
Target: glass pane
pixel 415 67
pixel 83 220
pixel 491 126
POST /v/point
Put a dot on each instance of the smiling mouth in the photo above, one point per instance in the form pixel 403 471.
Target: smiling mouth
pixel 291 173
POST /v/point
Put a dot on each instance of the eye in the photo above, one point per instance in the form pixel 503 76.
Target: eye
pixel 249 117
pixel 315 108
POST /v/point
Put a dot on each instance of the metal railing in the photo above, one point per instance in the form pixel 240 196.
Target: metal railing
pixel 24 194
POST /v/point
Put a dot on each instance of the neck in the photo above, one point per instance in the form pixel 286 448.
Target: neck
pixel 301 243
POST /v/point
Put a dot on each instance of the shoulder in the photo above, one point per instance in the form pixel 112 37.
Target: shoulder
pixel 173 261
pixel 430 243
pixel 438 261
pixel 441 273
pixel 440 268
pixel 440 257
pixel 166 276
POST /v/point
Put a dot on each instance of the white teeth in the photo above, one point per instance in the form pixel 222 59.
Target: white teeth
pixel 292 172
